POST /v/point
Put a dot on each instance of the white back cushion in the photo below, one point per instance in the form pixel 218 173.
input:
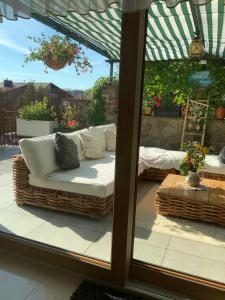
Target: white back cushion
pixel 110 136
pixel 39 154
pixel 99 133
pixel 76 137
pixel 92 149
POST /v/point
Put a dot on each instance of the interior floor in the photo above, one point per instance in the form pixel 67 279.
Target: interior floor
pixel 192 247
pixel 21 279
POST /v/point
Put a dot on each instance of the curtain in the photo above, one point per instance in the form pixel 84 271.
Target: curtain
pixel 12 9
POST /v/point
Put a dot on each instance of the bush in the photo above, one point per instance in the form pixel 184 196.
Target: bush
pixel 37 111
pixel 96 113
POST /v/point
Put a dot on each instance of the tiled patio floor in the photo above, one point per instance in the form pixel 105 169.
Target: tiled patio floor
pixel 192 247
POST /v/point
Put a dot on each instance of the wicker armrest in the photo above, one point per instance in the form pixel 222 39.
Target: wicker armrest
pixel 20 173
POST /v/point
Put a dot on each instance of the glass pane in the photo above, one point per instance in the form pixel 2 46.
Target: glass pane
pixel 63 187
pixel 178 226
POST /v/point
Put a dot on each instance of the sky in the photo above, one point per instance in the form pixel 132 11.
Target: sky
pixel 14 44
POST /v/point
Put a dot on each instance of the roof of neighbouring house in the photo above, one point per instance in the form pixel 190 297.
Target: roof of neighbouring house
pixel 16 85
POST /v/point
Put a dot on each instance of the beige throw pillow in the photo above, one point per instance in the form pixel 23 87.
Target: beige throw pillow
pixel 110 136
pixel 92 149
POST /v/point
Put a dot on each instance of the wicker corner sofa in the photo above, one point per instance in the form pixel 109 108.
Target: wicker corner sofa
pixel 31 181
pixel 87 205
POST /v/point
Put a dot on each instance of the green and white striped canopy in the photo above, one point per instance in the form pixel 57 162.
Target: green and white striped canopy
pixel 169 34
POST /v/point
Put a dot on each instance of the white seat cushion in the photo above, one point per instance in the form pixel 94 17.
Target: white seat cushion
pixel 94 177
pixel 39 154
pixel 169 159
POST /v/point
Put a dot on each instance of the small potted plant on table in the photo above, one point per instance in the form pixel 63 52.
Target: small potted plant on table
pixel 36 119
pixel 193 161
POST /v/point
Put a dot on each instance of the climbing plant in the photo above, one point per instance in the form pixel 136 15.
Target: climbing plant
pixel 171 80
pixel 96 113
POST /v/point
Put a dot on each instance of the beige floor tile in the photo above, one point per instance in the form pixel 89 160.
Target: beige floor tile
pixel 6 180
pixel 18 224
pixel 68 237
pixel 17 277
pixel 153 238
pixel 31 211
pixel 6 196
pixel 24 279
pixel 195 265
pixel 101 248
pixel 82 222
pixel 55 286
pixel 197 249
pixel 148 253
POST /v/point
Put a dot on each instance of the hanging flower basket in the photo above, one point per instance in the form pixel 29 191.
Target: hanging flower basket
pixel 58 51
pixel 53 62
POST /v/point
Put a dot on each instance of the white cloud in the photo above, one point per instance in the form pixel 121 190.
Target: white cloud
pixel 7 41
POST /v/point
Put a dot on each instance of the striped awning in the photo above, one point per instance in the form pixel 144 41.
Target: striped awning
pixel 169 34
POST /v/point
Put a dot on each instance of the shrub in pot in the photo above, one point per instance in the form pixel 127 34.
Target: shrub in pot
pixel 36 119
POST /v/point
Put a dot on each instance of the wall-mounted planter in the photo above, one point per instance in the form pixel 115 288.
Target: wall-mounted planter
pixel 34 127
pixel 64 130
pixel 170 111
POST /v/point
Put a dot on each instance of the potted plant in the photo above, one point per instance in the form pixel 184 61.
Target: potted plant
pixel 150 103
pixel 218 102
pixel 58 51
pixel 193 161
pixel 36 119
pixel 68 122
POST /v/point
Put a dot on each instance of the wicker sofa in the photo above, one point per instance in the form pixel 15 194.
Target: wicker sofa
pixel 87 190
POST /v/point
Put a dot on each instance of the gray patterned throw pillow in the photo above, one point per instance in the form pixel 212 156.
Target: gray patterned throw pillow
pixel 66 152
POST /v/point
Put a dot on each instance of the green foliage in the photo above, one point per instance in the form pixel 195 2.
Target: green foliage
pixel 37 111
pixel 194 159
pixel 217 92
pixel 58 48
pixel 96 113
pixel 170 80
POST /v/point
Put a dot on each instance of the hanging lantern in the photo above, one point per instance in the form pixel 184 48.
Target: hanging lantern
pixel 196 48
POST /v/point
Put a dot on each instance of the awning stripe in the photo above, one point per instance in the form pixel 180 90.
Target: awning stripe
pixel 220 28
pixel 169 31
pixel 161 45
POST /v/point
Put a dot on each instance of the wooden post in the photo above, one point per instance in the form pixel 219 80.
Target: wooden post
pixel 132 55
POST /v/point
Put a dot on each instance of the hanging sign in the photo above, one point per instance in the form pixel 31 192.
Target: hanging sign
pixel 202 78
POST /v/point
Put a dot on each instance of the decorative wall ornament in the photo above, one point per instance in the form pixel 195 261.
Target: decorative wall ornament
pixel 196 48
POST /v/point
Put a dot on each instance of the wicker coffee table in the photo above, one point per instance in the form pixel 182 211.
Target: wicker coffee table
pixel 175 198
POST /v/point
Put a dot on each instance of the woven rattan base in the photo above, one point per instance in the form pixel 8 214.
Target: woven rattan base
pixel 208 205
pixel 91 206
